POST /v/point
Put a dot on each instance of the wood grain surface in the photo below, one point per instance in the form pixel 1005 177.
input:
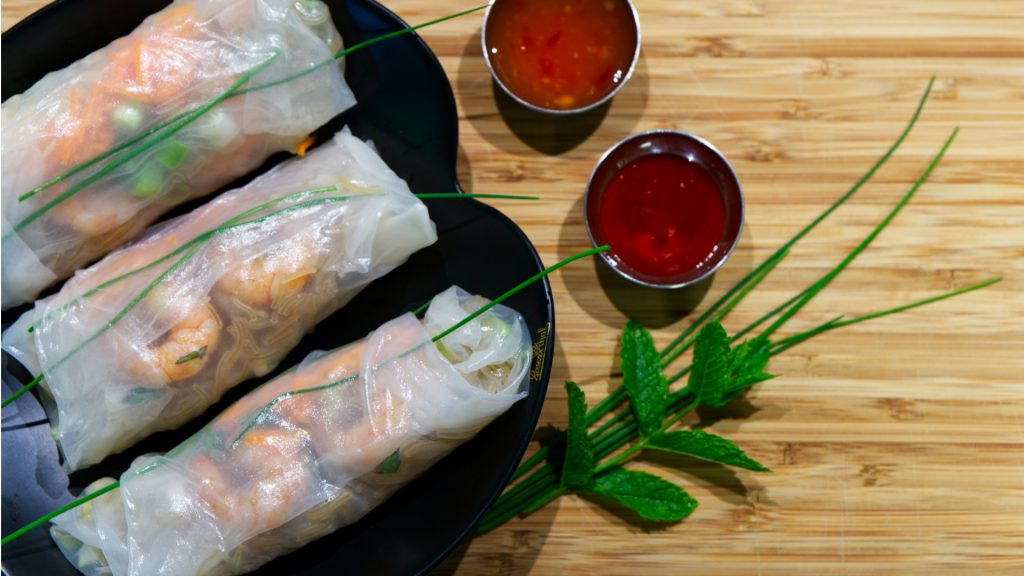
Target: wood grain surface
pixel 897 445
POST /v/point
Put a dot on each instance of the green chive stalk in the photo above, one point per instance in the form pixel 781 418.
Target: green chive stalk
pixel 190 250
pixel 146 145
pixel 167 128
pixel 229 224
pixel 538 489
pixel 545 487
pixel 224 226
pixel 681 343
pixel 814 223
pixel 192 247
pixel 469 318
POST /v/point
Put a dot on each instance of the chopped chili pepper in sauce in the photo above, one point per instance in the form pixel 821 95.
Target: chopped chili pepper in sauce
pixel 561 54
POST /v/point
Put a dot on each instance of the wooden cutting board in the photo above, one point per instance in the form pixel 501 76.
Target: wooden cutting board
pixel 897 445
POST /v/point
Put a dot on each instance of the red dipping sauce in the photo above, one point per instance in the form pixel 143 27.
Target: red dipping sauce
pixel 561 54
pixel 663 215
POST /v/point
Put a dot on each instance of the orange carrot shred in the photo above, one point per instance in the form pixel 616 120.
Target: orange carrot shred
pixel 175 16
pixel 140 72
pixel 305 144
pixel 91 123
pixel 69 136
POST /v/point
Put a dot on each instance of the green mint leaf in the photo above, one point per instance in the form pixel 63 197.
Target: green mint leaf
pixel 193 355
pixel 710 447
pixel 748 361
pixel 646 494
pixel 709 372
pixel 390 464
pixel 745 367
pixel 643 379
pixel 579 455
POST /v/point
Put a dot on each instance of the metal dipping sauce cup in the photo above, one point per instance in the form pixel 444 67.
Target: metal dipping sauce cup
pixel 561 111
pixel 693 149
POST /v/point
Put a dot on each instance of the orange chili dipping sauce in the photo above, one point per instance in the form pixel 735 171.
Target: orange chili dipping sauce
pixel 561 54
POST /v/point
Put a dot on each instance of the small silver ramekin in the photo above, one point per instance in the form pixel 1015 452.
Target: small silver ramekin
pixel 561 112
pixel 693 148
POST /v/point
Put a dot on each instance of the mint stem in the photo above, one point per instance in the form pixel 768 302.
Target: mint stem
pixel 544 498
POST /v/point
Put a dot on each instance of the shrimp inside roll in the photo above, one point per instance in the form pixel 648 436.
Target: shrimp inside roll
pixel 199 94
pixel 153 334
pixel 310 451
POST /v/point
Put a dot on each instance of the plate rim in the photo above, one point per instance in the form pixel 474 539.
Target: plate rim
pixel 541 385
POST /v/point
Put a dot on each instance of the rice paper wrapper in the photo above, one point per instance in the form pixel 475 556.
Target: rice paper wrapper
pixel 152 335
pixel 308 452
pixel 176 61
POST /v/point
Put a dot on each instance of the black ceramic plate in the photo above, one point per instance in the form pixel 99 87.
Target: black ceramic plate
pixel 406 107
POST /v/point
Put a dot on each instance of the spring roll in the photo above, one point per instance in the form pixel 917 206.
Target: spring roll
pixel 176 61
pixel 308 452
pixel 154 333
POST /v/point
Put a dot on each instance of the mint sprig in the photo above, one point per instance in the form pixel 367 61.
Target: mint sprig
pixel 650 496
pixel 723 368
pixel 642 377
pixel 719 372
pixel 579 454
pixel 709 371
pixel 705 446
